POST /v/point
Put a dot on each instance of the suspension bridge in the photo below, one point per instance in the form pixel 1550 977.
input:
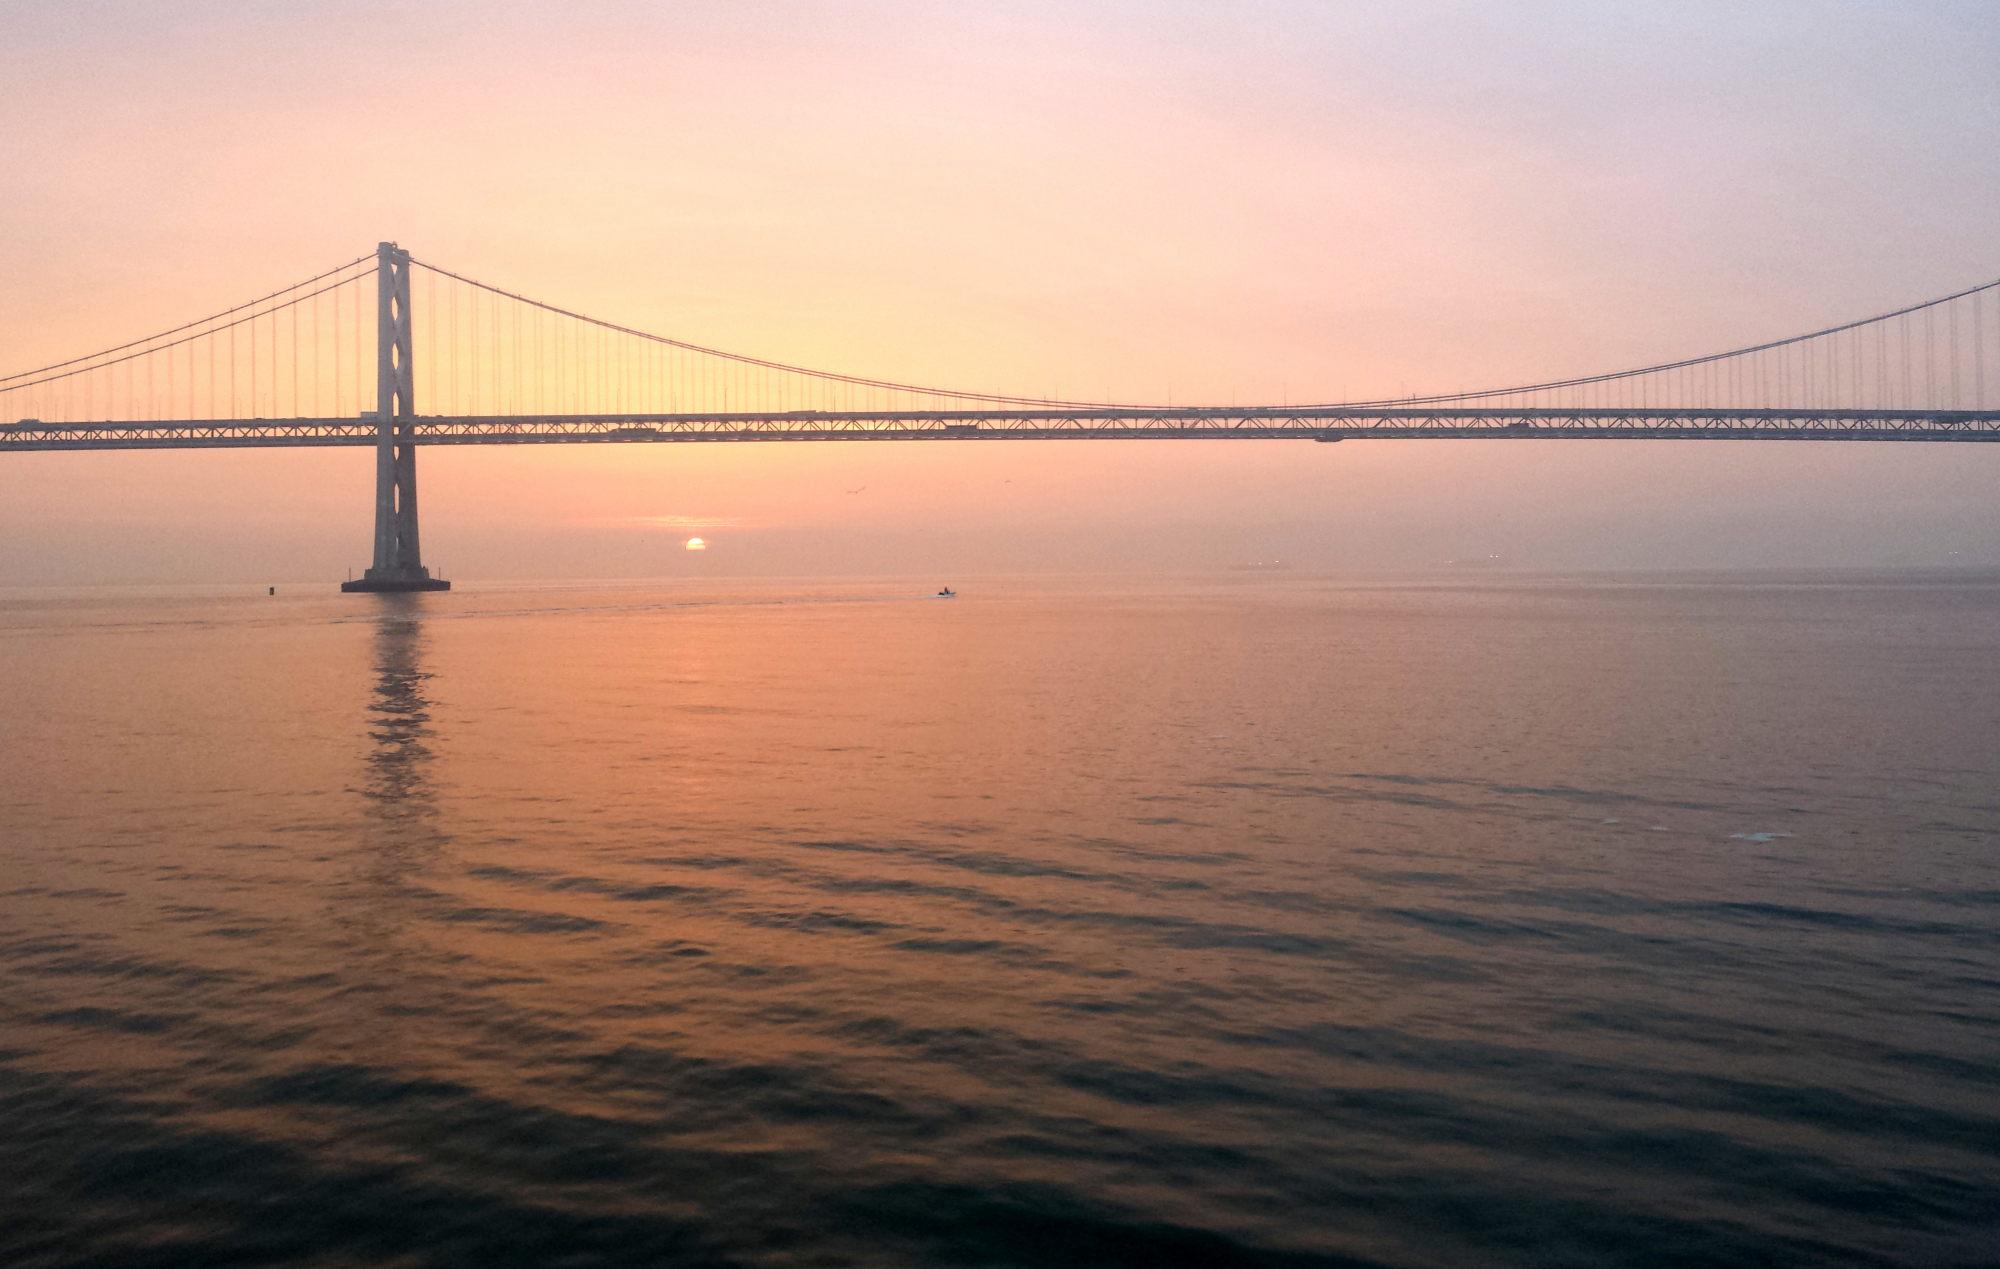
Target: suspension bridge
pixel 338 358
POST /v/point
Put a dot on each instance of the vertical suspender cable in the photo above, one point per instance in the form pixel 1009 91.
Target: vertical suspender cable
pixel 1906 397
pixel 1930 362
pixel 1951 334
pixel 429 359
pixel 1881 365
pixel 1978 354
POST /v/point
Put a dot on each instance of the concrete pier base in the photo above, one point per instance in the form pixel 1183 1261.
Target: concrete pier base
pixel 389 583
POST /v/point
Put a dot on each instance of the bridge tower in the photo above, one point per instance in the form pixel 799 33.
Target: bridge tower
pixel 398 563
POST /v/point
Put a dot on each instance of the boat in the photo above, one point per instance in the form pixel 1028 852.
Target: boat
pixel 947 593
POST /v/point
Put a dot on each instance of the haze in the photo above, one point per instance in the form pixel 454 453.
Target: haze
pixel 1158 201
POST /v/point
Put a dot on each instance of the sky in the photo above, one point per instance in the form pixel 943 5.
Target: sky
pixel 1259 201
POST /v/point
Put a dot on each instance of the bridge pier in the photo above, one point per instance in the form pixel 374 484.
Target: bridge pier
pixel 398 562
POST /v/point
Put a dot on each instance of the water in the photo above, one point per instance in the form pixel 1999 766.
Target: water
pixel 1254 920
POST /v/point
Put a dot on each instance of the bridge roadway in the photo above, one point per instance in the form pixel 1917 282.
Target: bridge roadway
pixel 1243 423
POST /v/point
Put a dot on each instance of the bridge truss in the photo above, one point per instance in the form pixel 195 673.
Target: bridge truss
pixel 1525 423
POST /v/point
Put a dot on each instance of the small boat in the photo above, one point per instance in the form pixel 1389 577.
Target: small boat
pixel 947 593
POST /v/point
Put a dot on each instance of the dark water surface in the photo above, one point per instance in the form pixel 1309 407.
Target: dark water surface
pixel 1242 921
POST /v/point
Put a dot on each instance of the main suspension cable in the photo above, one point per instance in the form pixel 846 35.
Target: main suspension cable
pixel 185 339
pixel 998 398
pixel 213 317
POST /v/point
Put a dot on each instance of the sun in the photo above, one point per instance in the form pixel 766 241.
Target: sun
pixel 696 544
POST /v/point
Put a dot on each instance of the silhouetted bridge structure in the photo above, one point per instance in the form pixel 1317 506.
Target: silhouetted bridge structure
pixel 333 361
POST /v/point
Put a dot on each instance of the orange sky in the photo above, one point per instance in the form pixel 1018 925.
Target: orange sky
pixel 1140 201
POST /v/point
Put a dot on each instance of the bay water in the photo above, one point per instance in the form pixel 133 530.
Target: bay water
pixel 1254 919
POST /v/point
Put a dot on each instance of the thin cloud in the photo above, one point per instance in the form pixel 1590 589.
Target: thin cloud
pixel 677 522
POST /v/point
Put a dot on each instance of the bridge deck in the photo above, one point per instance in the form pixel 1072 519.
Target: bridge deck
pixel 1335 424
